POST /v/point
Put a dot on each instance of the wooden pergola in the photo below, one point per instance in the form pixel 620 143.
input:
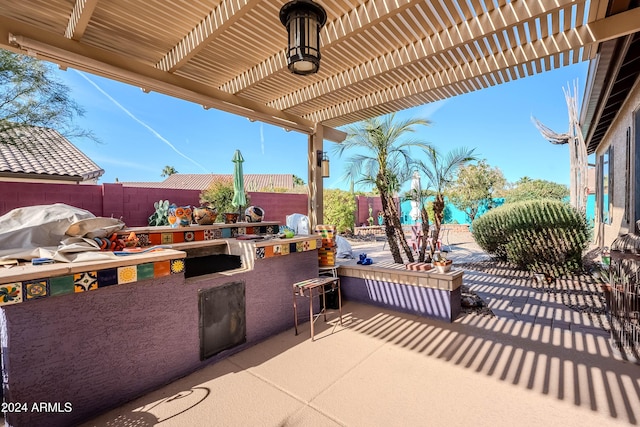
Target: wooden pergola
pixel 378 56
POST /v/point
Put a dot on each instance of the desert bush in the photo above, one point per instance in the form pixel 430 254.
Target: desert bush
pixel 541 235
pixel 339 209
pixel 220 196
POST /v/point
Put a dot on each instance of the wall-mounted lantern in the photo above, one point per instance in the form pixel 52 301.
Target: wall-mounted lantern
pixel 322 161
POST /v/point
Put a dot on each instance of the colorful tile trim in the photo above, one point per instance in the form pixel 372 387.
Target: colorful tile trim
pixel 127 274
pixel 185 235
pixel 18 292
pixel 143 238
pixel 11 293
pixel 62 285
pixel 87 281
pixel 145 271
pixel 107 277
pixel 35 289
pixel 161 268
pixel 285 249
pixel 177 266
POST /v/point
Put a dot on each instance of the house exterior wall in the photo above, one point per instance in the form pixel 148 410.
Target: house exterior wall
pixel 617 137
pixel 133 204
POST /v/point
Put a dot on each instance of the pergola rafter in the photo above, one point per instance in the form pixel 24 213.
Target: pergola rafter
pixel 378 56
pixel 355 21
pixel 220 18
pixel 79 19
pixel 466 35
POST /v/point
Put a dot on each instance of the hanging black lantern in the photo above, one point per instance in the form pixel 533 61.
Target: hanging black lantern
pixel 303 19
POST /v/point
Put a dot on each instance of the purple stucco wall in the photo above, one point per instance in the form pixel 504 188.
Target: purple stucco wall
pixel 362 208
pixel 133 204
pixel 428 302
pixel 100 349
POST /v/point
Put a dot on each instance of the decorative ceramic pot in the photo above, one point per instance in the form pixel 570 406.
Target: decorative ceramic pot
pixel 231 217
pixel 254 214
pixel 443 266
pixel 182 214
pixel 205 215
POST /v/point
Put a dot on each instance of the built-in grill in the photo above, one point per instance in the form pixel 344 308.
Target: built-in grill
pixel 209 259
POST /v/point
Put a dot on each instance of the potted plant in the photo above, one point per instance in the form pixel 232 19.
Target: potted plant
pixel 161 215
pixel 441 263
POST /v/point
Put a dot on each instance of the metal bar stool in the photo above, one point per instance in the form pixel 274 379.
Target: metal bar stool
pixel 315 287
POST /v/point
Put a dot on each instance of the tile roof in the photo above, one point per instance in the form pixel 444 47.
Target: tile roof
pixel 37 152
pixel 186 181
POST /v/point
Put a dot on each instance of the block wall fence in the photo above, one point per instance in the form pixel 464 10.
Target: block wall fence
pixel 362 209
pixel 133 204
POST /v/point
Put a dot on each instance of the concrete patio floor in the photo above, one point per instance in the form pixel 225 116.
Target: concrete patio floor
pixel 536 362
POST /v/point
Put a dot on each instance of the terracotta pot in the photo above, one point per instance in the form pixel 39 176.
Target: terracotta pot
pixel 231 218
pixel 443 266
pixel 205 215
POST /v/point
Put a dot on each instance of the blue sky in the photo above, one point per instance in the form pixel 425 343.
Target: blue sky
pixel 141 133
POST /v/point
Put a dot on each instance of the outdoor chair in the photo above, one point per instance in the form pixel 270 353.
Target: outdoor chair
pixel 441 242
pixel 415 241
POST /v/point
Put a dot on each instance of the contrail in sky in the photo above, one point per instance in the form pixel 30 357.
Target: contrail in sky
pixel 156 134
pixel 262 137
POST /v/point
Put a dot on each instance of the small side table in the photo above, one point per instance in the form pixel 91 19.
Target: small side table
pixel 315 287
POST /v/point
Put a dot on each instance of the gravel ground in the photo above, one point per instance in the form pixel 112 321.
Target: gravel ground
pixel 580 292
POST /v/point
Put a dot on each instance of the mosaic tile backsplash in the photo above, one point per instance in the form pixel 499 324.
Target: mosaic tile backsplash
pixel 182 235
pixel 287 248
pixel 17 292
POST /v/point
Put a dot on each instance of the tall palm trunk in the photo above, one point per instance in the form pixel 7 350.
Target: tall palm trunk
pixel 389 228
pixel 397 226
pixel 425 234
pixel 438 215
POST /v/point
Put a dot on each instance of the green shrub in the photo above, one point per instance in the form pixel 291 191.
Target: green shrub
pixel 339 209
pixel 220 196
pixel 541 235
pixel 489 232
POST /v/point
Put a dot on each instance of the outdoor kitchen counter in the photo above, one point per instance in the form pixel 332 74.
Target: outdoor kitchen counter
pixel 26 282
pixel 115 343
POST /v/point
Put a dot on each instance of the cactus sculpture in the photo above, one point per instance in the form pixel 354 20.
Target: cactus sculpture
pixel 161 215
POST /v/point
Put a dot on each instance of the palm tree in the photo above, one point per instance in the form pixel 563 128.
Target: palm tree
pixel 439 172
pixel 168 171
pixel 385 167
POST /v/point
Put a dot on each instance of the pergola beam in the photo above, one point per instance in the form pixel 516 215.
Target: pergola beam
pixel 464 34
pixel 605 29
pixel 79 19
pixel 222 17
pixel 355 21
pixel 492 63
pixel 65 52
